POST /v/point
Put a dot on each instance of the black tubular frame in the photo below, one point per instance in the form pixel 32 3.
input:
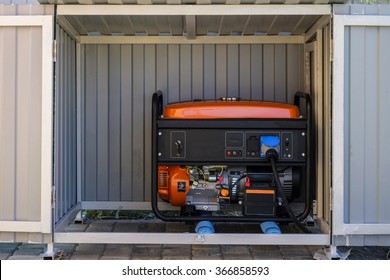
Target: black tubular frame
pixel 310 163
pixel 157 113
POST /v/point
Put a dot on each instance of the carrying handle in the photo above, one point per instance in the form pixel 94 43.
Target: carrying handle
pixel 310 164
pixel 307 97
pixel 157 105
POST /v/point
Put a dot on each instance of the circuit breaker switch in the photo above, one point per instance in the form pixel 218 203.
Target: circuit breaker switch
pixel 179 147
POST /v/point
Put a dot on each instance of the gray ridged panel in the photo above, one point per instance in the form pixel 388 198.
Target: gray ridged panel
pixel 120 81
pixel 20 126
pixel 20 106
pixel 184 2
pixel 65 152
pixel 367 152
pixel 362 9
pixel 10 10
pixel 19 2
pixel 175 25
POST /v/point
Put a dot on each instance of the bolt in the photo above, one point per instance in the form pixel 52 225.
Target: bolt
pixel 303 154
pixel 159 154
pixel 205 208
pixel 303 133
pixel 160 133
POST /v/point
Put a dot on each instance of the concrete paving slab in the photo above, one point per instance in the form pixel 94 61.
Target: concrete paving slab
pixel 237 257
pixel 101 227
pixel 176 252
pixel 126 227
pixel 368 253
pixel 66 248
pixel 263 248
pixel 292 251
pixel 118 250
pixel 115 258
pixel 267 252
pixel 4 256
pixel 96 249
pixel 8 247
pixel 84 257
pixel 146 257
pixel 210 252
pixel 76 228
pixel 32 246
pixel 146 252
pixel 152 227
pixel 235 249
pixel 206 257
pixel 28 252
pixel 176 257
pixel 262 256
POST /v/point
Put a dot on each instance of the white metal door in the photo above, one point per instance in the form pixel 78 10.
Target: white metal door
pixel 361 128
pixel 26 112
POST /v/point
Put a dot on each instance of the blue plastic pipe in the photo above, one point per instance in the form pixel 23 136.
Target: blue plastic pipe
pixel 270 227
pixel 204 227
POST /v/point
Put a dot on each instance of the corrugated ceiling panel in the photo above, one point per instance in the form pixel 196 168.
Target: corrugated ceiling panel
pixel 205 25
pixel 186 2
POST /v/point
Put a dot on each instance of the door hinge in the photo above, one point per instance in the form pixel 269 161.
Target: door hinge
pixel 331 50
pixel 54 50
pixel 331 199
pixel 53 196
pixel 315 207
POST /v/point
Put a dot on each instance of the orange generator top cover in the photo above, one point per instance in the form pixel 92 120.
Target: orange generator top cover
pixel 230 109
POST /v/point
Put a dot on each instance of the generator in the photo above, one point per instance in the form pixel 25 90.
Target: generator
pixel 233 160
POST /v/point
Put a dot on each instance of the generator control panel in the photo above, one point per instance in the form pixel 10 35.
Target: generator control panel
pixel 230 145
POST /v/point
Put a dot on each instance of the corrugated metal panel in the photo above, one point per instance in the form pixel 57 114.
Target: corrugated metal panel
pixel 20 124
pixel 120 81
pixel 187 2
pixel 205 25
pixel 20 185
pixel 65 125
pixel 10 10
pixel 367 180
pixel 19 2
pixel 362 9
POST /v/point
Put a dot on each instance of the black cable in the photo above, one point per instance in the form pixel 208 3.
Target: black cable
pixel 283 169
pixel 272 156
pixel 236 187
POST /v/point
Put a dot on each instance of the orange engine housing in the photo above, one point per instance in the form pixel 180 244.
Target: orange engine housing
pixel 173 184
pixel 219 109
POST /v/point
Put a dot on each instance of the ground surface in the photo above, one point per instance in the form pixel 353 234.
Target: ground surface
pixel 23 251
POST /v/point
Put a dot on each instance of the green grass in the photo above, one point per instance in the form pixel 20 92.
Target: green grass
pixel 123 214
